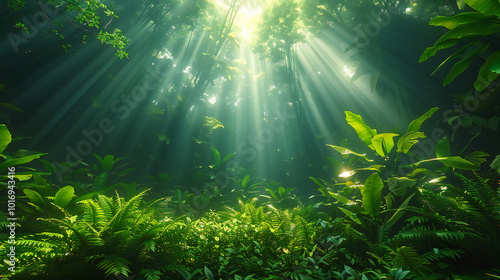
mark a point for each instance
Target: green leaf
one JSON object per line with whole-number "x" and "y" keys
{"x": 35, "y": 197}
{"x": 216, "y": 156}
{"x": 495, "y": 164}
{"x": 11, "y": 106}
{"x": 383, "y": 143}
{"x": 463, "y": 64}
{"x": 245, "y": 181}
{"x": 108, "y": 162}
{"x": 461, "y": 6}
{"x": 208, "y": 273}
{"x": 477, "y": 158}
{"x": 488, "y": 7}
{"x": 455, "y": 55}
{"x": 443, "y": 148}
{"x": 415, "y": 124}
{"x": 5, "y": 137}
{"x": 485, "y": 76}
{"x": 351, "y": 215}
{"x": 372, "y": 194}
{"x": 431, "y": 51}
{"x": 400, "y": 185}
{"x": 399, "y": 213}
{"x": 454, "y": 161}
{"x": 364, "y": 132}
{"x": 458, "y": 35}
{"x": 228, "y": 157}
{"x": 346, "y": 151}
{"x": 462, "y": 18}
{"x": 64, "y": 196}
{"x": 480, "y": 28}
{"x": 494, "y": 64}
{"x": 19, "y": 161}
{"x": 341, "y": 199}
{"x": 407, "y": 141}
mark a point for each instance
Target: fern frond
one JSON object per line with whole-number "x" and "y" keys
{"x": 438, "y": 254}
{"x": 112, "y": 265}
{"x": 408, "y": 257}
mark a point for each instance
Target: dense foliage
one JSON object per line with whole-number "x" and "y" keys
{"x": 394, "y": 219}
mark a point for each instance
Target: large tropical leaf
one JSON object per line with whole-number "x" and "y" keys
{"x": 5, "y": 137}
{"x": 383, "y": 143}
{"x": 454, "y": 161}
{"x": 346, "y": 151}
{"x": 364, "y": 132}
{"x": 407, "y": 141}
{"x": 462, "y": 18}
{"x": 415, "y": 124}
{"x": 443, "y": 148}
{"x": 458, "y": 35}
{"x": 488, "y": 7}
{"x": 20, "y": 160}
{"x": 64, "y": 196}
{"x": 463, "y": 64}
{"x": 35, "y": 197}
{"x": 488, "y": 72}
{"x": 372, "y": 194}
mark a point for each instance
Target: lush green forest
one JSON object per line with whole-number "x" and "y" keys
{"x": 250, "y": 139}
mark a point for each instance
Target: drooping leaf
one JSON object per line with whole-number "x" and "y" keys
{"x": 35, "y": 197}
{"x": 5, "y": 137}
{"x": 477, "y": 157}
{"x": 19, "y": 161}
{"x": 372, "y": 194}
{"x": 463, "y": 64}
{"x": 226, "y": 158}
{"x": 364, "y": 132}
{"x": 462, "y": 18}
{"x": 341, "y": 199}
{"x": 346, "y": 151}
{"x": 488, "y": 7}
{"x": 216, "y": 156}
{"x": 443, "y": 148}
{"x": 383, "y": 143}
{"x": 11, "y": 106}
{"x": 351, "y": 215}
{"x": 485, "y": 76}
{"x": 407, "y": 141}
{"x": 458, "y": 35}
{"x": 454, "y": 161}
{"x": 456, "y": 55}
{"x": 415, "y": 124}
